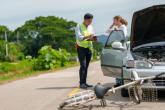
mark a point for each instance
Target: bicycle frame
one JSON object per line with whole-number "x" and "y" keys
{"x": 100, "y": 91}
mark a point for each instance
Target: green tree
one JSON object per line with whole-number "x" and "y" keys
{"x": 2, "y": 50}
{"x": 97, "y": 49}
{"x": 14, "y": 51}
{"x": 4, "y": 29}
{"x": 54, "y": 31}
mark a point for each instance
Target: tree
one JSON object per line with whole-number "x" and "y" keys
{"x": 4, "y": 29}
{"x": 54, "y": 31}
{"x": 14, "y": 51}
{"x": 2, "y": 50}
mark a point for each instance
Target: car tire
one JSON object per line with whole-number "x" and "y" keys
{"x": 124, "y": 92}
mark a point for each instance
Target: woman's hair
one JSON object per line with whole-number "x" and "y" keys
{"x": 123, "y": 21}
{"x": 118, "y": 18}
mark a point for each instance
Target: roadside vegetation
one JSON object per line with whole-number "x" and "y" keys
{"x": 41, "y": 44}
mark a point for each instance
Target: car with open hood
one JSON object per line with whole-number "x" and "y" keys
{"x": 144, "y": 52}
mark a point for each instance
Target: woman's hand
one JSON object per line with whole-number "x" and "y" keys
{"x": 111, "y": 26}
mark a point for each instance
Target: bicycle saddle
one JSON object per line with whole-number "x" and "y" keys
{"x": 101, "y": 90}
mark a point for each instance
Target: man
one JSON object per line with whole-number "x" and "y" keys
{"x": 84, "y": 37}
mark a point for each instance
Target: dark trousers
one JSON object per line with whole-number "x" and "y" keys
{"x": 84, "y": 55}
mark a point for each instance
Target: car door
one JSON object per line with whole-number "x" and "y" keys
{"x": 112, "y": 59}
{"x": 102, "y": 39}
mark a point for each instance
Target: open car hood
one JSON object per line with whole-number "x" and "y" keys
{"x": 148, "y": 26}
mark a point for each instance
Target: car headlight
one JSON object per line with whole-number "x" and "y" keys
{"x": 138, "y": 64}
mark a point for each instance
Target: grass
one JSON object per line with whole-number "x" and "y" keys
{"x": 23, "y": 69}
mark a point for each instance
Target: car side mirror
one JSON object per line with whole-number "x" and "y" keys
{"x": 118, "y": 45}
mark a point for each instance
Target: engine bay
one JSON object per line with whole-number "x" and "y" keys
{"x": 152, "y": 53}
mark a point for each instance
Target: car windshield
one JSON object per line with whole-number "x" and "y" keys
{"x": 115, "y": 35}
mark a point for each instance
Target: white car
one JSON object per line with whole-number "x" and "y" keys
{"x": 144, "y": 53}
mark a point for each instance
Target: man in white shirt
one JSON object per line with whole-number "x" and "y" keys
{"x": 84, "y": 37}
{"x": 79, "y": 34}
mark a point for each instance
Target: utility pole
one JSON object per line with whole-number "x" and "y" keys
{"x": 17, "y": 36}
{"x": 7, "y": 52}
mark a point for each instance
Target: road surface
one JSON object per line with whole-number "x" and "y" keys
{"x": 47, "y": 91}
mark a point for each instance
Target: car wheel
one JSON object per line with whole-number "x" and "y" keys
{"x": 124, "y": 92}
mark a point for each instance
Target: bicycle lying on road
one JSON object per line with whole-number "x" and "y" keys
{"x": 135, "y": 90}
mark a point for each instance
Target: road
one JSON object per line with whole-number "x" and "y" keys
{"x": 47, "y": 91}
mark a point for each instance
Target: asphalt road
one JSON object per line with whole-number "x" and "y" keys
{"x": 47, "y": 91}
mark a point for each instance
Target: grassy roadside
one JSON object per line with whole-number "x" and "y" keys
{"x": 14, "y": 71}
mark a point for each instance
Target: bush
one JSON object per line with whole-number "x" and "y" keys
{"x": 14, "y": 51}
{"x": 50, "y": 58}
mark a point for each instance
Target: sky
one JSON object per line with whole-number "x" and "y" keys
{"x": 14, "y": 13}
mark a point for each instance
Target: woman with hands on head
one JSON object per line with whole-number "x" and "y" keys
{"x": 119, "y": 23}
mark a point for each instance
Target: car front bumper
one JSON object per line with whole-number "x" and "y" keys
{"x": 159, "y": 83}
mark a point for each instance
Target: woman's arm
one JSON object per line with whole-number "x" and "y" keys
{"x": 111, "y": 28}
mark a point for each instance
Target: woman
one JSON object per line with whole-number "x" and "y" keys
{"x": 123, "y": 27}
{"x": 118, "y": 24}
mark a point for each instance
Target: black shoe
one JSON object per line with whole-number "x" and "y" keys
{"x": 89, "y": 85}
{"x": 83, "y": 86}
{"x": 116, "y": 85}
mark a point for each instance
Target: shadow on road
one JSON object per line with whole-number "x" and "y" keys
{"x": 47, "y": 88}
